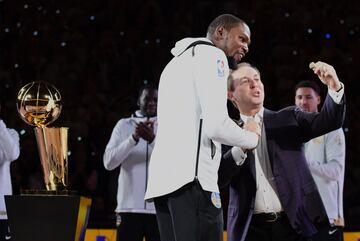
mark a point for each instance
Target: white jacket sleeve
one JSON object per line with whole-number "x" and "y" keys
{"x": 119, "y": 146}
{"x": 9, "y": 144}
{"x": 334, "y": 154}
{"x": 210, "y": 76}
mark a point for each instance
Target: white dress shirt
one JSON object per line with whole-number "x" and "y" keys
{"x": 266, "y": 198}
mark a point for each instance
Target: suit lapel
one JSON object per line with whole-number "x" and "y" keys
{"x": 251, "y": 163}
{"x": 268, "y": 124}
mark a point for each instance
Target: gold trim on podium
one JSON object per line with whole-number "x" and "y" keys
{"x": 84, "y": 205}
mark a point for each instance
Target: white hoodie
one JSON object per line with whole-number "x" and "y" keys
{"x": 326, "y": 159}
{"x": 133, "y": 158}
{"x": 9, "y": 151}
{"x": 192, "y": 88}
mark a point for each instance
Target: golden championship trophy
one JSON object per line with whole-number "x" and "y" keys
{"x": 56, "y": 214}
{"x": 39, "y": 104}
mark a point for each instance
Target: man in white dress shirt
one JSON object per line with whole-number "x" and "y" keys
{"x": 272, "y": 195}
{"x": 325, "y": 156}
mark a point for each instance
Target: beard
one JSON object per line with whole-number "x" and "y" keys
{"x": 232, "y": 62}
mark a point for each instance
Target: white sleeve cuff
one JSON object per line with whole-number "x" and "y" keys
{"x": 337, "y": 95}
{"x": 239, "y": 155}
{"x": 132, "y": 140}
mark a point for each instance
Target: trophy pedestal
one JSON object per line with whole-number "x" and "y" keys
{"x": 47, "y": 217}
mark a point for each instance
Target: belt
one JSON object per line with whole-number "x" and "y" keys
{"x": 267, "y": 217}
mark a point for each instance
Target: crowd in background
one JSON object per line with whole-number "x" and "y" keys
{"x": 98, "y": 53}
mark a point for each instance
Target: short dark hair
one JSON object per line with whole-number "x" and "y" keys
{"x": 308, "y": 84}
{"x": 228, "y": 21}
{"x": 149, "y": 86}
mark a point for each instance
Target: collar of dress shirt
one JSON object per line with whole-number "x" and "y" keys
{"x": 258, "y": 116}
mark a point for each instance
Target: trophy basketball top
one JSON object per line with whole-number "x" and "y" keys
{"x": 39, "y": 103}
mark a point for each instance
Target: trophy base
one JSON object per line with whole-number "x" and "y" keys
{"x": 48, "y": 192}
{"x": 47, "y": 217}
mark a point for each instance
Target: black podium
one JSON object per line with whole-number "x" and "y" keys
{"x": 47, "y": 217}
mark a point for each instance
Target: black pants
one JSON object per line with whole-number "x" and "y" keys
{"x": 279, "y": 230}
{"x": 4, "y": 230}
{"x": 135, "y": 226}
{"x": 189, "y": 214}
{"x": 329, "y": 233}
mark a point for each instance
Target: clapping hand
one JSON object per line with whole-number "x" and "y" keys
{"x": 144, "y": 130}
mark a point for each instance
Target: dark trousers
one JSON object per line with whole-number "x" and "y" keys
{"x": 189, "y": 214}
{"x": 4, "y": 230}
{"x": 278, "y": 230}
{"x": 135, "y": 226}
{"x": 329, "y": 233}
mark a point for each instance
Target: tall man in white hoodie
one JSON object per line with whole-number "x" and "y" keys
{"x": 192, "y": 123}
{"x": 9, "y": 151}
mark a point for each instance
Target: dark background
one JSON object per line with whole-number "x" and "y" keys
{"x": 98, "y": 53}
